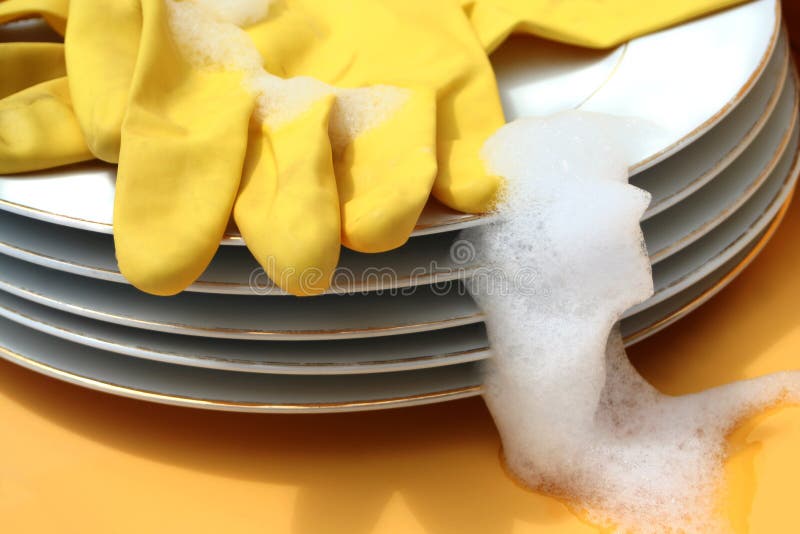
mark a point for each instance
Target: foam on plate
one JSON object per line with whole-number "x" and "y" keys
{"x": 575, "y": 418}
{"x": 209, "y": 33}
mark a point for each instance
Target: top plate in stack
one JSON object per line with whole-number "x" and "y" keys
{"x": 720, "y": 177}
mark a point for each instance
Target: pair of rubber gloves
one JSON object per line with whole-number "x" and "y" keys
{"x": 190, "y": 154}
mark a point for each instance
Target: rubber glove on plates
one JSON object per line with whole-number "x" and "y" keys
{"x": 183, "y": 144}
{"x": 581, "y": 22}
{"x": 384, "y": 177}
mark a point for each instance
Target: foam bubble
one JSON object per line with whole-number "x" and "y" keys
{"x": 209, "y": 34}
{"x": 575, "y": 418}
{"x": 240, "y": 13}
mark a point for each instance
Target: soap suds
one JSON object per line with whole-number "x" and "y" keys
{"x": 240, "y": 13}
{"x": 576, "y": 419}
{"x": 209, "y": 33}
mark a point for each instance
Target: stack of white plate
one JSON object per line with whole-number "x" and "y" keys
{"x": 407, "y": 333}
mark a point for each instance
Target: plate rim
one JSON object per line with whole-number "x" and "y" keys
{"x": 319, "y": 368}
{"x": 727, "y": 108}
{"x": 775, "y": 208}
{"x": 737, "y": 150}
{"x": 720, "y": 284}
{"x": 752, "y": 187}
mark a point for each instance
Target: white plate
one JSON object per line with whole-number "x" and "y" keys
{"x": 373, "y": 314}
{"x": 250, "y": 392}
{"x": 685, "y": 79}
{"x": 230, "y": 391}
{"x": 684, "y": 223}
{"x": 356, "y": 356}
{"x": 679, "y": 176}
{"x": 426, "y": 259}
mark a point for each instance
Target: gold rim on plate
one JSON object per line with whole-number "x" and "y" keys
{"x": 728, "y": 158}
{"x": 752, "y": 187}
{"x": 720, "y": 284}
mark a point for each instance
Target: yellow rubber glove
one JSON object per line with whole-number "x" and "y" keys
{"x": 54, "y": 12}
{"x": 183, "y": 144}
{"x": 384, "y": 178}
{"x": 38, "y": 129}
{"x": 26, "y": 64}
{"x": 102, "y": 42}
{"x": 586, "y": 23}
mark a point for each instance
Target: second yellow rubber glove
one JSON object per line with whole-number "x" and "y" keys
{"x": 586, "y": 23}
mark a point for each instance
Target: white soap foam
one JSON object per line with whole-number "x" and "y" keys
{"x": 209, "y": 33}
{"x": 575, "y": 418}
{"x": 240, "y": 13}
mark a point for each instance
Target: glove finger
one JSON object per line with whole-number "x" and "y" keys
{"x": 27, "y": 64}
{"x": 470, "y": 112}
{"x": 54, "y": 12}
{"x": 183, "y": 144}
{"x": 384, "y": 142}
{"x": 102, "y": 42}
{"x": 38, "y": 129}
{"x": 287, "y": 209}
